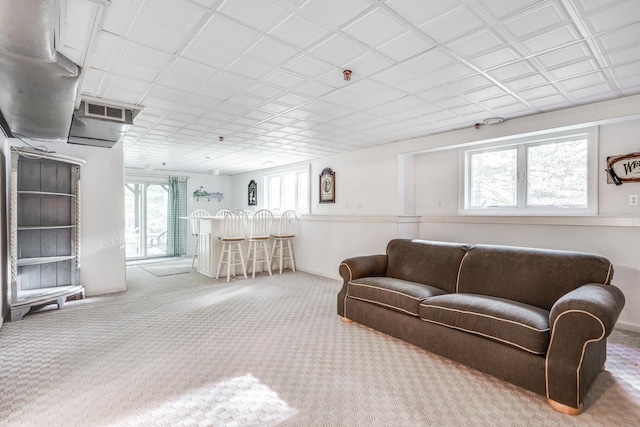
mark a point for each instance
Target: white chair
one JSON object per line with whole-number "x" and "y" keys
{"x": 222, "y": 212}
{"x": 258, "y": 236}
{"x": 233, "y": 234}
{"x": 195, "y": 230}
{"x": 286, "y": 233}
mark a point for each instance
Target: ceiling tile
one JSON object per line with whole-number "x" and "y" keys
{"x": 298, "y": 31}
{"x": 141, "y": 62}
{"x": 583, "y": 81}
{"x": 336, "y": 12}
{"x": 535, "y": 20}
{"x": 614, "y": 17}
{"x": 496, "y": 58}
{"x": 307, "y": 66}
{"x": 369, "y": 64}
{"x": 293, "y": 100}
{"x": 575, "y": 69}
{"x": 471, "y": 83}
{"x": 375, "y": 28}
{"x": 453, "y": 24}
{"x": 165, "y": 24}
{"x": 622, "y": 56}
{"x": 313, "y": 89}
{"x": 107, "y": 50}
{"x": 284, "y": 79}
{"x": 503, "y": 8}
{"x": 538, "y": 92}
{"x": 228, "y": 35}
{"x": 626, "y": 36}
{"x": 526, "y": 82}
{"x": 260, "y": 14}
{"x": 626, "y": 71}
{"x": 513, "y": 71}
{"x": 208, "y": 54}
{"x": 552, "y": 39}
{"x": 406, "y": 46}
{"x": 419, "y": 11}
{"x": 249, "y": 67}
{"x": 593, "y": 93}
{"x": 564, "y": 55}
{"x": 438, "y": 94}
{"x": 428, "y": 62}
{"x": 394, "y": 76}
{"x": 480, "y": 41}
{"x": 271, "y": 51}
{"x": 339, "y": 50}
{"x": 270, "y": 71}
{"x": 486, "y": 93}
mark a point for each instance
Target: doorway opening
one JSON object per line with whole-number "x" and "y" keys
{"x": 146, "y": 208}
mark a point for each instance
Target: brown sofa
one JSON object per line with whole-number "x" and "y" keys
{"x": 533, "y": 317}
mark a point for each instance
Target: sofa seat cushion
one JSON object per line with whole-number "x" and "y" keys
{"x": 516, "y": 324}
{"x": 392, "y": 293}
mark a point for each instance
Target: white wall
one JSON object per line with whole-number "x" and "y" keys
{"x": 4, "y": 251}
{"x": 366, "y": 213}
{"x": 102, "y": 216}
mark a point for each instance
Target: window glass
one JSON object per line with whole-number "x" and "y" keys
{"x": 288, "y": 189}
{"x": 494, "y": 178}
{"x": 557, "y": 174}
{"x": 551, "y": 175}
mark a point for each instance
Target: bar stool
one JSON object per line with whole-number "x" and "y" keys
{"x": 258, "y": 237}
{"x": 233, "y": 234}
{"x": 286, "y": 233}
{"x": 195, "y": 231}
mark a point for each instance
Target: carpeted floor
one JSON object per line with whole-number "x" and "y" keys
{"x": 168, "y": 268}
{"x": 186, "y": 350}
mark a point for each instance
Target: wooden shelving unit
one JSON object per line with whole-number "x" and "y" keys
{"x": 44, "y": 230}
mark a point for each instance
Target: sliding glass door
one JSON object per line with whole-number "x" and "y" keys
{"x": 146, "y": 207}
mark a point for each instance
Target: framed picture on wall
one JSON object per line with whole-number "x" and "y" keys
{"x": 327, "y": 186}
{"x": 252, "y": 193}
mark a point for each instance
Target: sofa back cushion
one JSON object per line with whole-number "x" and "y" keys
{"x": 538, "y": 277}
{"x": 422, "y": 261}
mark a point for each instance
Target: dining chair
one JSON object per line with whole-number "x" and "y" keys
{"x": 195, "y": 231}
{"x": 286, "y": 233}
{"x": 222, "y": 212}
{"x": 259, "y": 234}
{"x": 233, "y": 234}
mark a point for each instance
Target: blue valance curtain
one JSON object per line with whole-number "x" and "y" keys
{"x": 176, "y": 227}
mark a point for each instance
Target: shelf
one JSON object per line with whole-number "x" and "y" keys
{"x": 43, "y": 194}
{"x": 43, "y": 260}
{"x": 44, "y": 227}
{"x": 37, "y": 297}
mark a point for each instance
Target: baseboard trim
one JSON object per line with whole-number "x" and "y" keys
{"x": 627, "y": 327}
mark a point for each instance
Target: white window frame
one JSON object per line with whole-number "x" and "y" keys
{"x": 591, "y": 134}
{"x": 300, "y": 202}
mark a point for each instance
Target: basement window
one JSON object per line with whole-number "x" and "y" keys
{"x": 287, "y": 189}
{"x": 551, "y": 174}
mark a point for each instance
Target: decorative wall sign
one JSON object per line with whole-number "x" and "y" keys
{"x": 327, "y": 186}
{"x": 253, "y": 193}
{"x": 202, "y": 194}
{"x": 625, "y": 168}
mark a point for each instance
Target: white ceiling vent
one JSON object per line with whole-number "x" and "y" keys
{"x": 105, "y": 112}
{"x": 100, "y": 125}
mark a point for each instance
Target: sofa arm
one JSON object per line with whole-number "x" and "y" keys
{"x": 354, "y": 268}
{"x": 585, "y": 315}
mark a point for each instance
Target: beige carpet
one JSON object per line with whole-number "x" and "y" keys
{"x": 185, "y": 350}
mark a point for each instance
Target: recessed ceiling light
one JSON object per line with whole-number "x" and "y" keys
{"x": 493, "y": 121}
